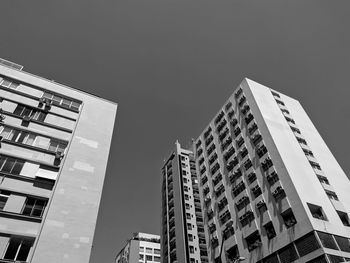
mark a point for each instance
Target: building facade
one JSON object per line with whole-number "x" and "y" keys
{"x": 53, "y": 160}
{"x": 182, "y": 233}
{"x": 141, "y": 248}
{"x": 270, "y": 188}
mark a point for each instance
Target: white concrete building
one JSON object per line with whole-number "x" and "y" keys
{"x": 53, "y": 159}
{"x": 141, "y": 248}
{"x": 271, "y": 190}
{"x": 182, "y": 232}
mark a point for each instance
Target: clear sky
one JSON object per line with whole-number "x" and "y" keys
{"x": 170, "y": 65}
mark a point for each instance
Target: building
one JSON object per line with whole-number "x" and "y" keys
{"x": 270, "y": 188}
{"x": 141, "y": 247}
{"x": 182, "y": 232}
{"x": 53, "y": 160}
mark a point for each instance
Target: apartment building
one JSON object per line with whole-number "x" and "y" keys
{"x": 182, "y": 233}
{"x": 141, "y": 248}
{"x": 53, "y": 160}
{"x": 271, "y": 190}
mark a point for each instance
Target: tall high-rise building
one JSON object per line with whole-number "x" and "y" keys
{"x": 182, "y": 233}
{"x": 141, "y": 248}
{"x": 53, "y": 158}
{"x": 270, "y": 188}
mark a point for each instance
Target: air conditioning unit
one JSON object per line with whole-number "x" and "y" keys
{"x": 59, "y": 155}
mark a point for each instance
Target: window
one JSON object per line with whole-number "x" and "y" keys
{"x": 295, "y": 130}
{"x": 148, "y": 250}
{"x": 141, "y": 256}
{"x": 280, "y": 102}
{"x": 315, "y": 165}
{"x": 57, "y": 146}
{"x": 11, "y": 165}
{"x": 270, "y": 230}
{"x": 191, "y": 249}
{"x": 344, "y": 218}
{"x": 188, "y": 215}
{"x": 18, "y": 249}
{"x": 142, "y": 249}
{"x": 187, "y": 206}
{"x": 9, "y": 84}
{"x": 190, "y": 237}
{"x": 148, "y": 258}
{"x": 332, "y": 195}
{"x": 4, "y": 195}
{"x": 317, "y": 211}
{"x": 275, "y": 94}
{"x": 256, "y": 190}
{"x": 253, "y": 241}
{"x": 189, "y": 226}
{"x": 26, "y": 111}
{"x": 34, "y": 207}
{"x": 301, "y": 141}
{"x": 64, "y": 102}
{"x": 156, "y": 259}
{"x": 186, "y": 197}
{"x": 288, "y": 218}
{"x": 246, "y": 218}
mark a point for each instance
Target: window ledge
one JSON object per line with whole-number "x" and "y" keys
{"x": 20, "y": 217}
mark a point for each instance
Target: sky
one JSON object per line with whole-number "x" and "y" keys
{"x": 170, "y": 66}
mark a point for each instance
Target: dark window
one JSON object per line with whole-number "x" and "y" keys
{"x": 11, "y": 165}
{"x": 344, "y": 218}
{"x": 335, "y": 259}
{"x": 288, "y": 254}
{"x": 320, "y": 259}
{"x": 4, "y": 195}
{"x": 253, "y": 241}
{"x": 271, "y": 259}
{"x": 327, "y": 240}
{"x": 307, "y": 244}
{"x": 288, "y": 218}
{"x": 270, "y": 230}
{"x": 343, "y": 243}
{"x": 34, "y": 207}
{"x": 18, "y": 249}
{"x": 64, "y": 102}
{"x": 332, "y": 195}
{"x": 22, "y": 111}
{"x": 317, "y": 212}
